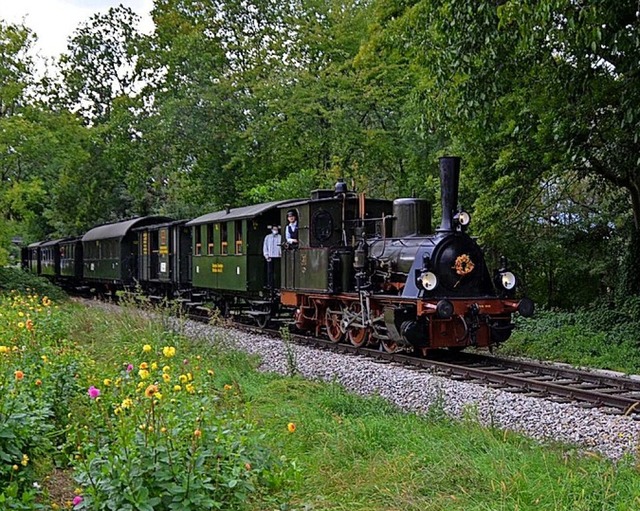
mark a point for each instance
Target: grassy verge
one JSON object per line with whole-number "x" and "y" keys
{"x": 363, "y": 454}
{"x": 289, "y": 444}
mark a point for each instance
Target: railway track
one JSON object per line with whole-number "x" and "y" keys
{"x": 614, "y": 394}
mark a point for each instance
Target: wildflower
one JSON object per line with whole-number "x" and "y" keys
{"x": 45, "y": 301}
{"x": 36, "y": 485}
{"x": 143, "y": 373}
{"x": 228, "y": 387}
{"x": 210, "y": 372}
{"x": 151, "y": 390}
{"x": 247, "y": 466}
{"x": 291, "y": 427}
{"x": 20, "y": 324}
{"x": 93, "y": 392}
{"x": 127, "y": 403}
{"x": 130, "y": 368}
{"x": 106, "y": 382}
{"x": 158, "y": 396}
{"x": 21, "y": 314}
{"x": 117, "y": 410}
{"x": 183, "y": 378}
{"x": 190, "y": 389}
{"x": 19, "y": 375}
{"x": 166, "y": 378}
{"x": 29, "y": 325}
{"x": 166, "y": 369}
{"x": 38, "y": 382}
{"x": 169, "y": 351}
{"x": 163, "y": 429}
{"x": 25, "y": 460}
{"x": 44, "y": 358}
{"x": 77, "y": 500}
{"x": 177, "y": 388}
{"x": 146, "y": 348}
{"x": 189, "y": 377}
{"x": 144, "y": 365}
{"x": 15, "y": 467}
{"x": 197, "y": 433}
{"x": 4, "y": 349}
{"x": 154, "y": 366}
{"x": 55, "y": 506}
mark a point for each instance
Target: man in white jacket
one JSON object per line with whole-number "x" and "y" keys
{"x": 272, "y": 250}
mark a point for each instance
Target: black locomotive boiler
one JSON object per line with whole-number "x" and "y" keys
{"x": 374, "y": 272}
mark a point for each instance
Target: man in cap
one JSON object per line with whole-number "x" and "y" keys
{"x": 292, "y": 228}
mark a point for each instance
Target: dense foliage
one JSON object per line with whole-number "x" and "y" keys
{"x": 231, "y": 102}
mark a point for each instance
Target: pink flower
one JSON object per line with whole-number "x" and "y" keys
{"x": 93, "y": 393}
{"x": 77, "y": 499}
{"x": 130, "y": 368}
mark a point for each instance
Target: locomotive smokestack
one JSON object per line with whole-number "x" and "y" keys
{"x": 449, "y": 179}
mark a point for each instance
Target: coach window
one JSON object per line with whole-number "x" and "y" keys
{"x": 238, "y": 225}
{"x": 198, "y": 240}
{"x": 210, "y": 246}
{"x": 224, "y": 239}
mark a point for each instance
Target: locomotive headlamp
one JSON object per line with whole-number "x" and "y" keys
{"x": 428, "y": 280}
{"x": 462, "y": 218}
{"x": 508, "y": 280}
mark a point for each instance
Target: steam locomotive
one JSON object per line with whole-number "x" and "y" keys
{"x": 364, "y": 271}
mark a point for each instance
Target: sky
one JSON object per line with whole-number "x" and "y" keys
{"x": 54, "y": 21}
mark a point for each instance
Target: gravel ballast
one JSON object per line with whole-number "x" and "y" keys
{"x": 613, "y": 436}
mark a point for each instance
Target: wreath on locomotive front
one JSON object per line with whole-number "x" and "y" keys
{"x": 460, "y": 267}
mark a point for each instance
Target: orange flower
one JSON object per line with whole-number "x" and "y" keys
{"x": 197, "y": 433}
{"x": 291, "y": 427}
{"x": 19, "y": 375}
{"x": 29, "y": 325}
{"x": 151, "y": 390}
{"x": 38, "y": 382}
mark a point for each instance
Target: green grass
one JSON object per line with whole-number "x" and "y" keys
{"x": 605, "y": 336}
{"x": 358, "y": 453}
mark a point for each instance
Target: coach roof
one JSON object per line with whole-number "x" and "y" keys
{"x": 120, "y": 229}
{"x": 238, "y": 213}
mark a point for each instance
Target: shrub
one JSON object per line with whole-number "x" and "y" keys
{"x": 159, "y": 436}
{"x": 13, "y": 279}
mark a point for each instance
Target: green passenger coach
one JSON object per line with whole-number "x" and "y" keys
{"x": 227, "y": 253}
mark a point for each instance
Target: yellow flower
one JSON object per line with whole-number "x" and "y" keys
{"x": 15, "y": 467}
{"x": 210, "y": 372}
{"x": 21, "y": 314}
{"x": 158, "y": 396}
{"x": 146, "y": 348}
{"x": 291, "y": 427}
{"x": 4, "y": 349}
{"x": 25, "y": 460}
{"x": 154, "y": 366}
{"x": 189, "y": 376}
{"x": 228, "y": 387}
{"x": 117, "y": 410}
{"x": 127, "y": 403}
{"x": 106, "y": 382}
{"x": 19, "y": 375}
{"x": 143, "y": 373}
{"x": 166, "y": 378}
{"x": 166, "y": 369}
{"x": 144, "y": 365}
{"x": 169, "y": 351}
{"x": 177, "y": 388}
{"x": 183, "y": 378}
{"x": 20, "y": 324}
{"x": 44, "y": 358}
{"x": 151, "y": 390}
{"x": 190, "y": 388}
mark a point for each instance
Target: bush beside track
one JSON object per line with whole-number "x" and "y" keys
{"x": 605, "y": 335}
{"x": 15, "y": 279}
